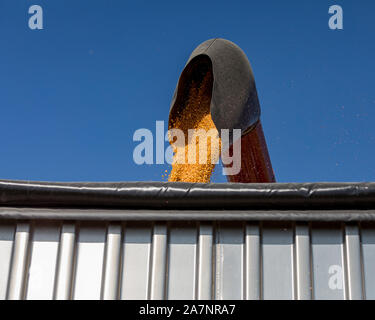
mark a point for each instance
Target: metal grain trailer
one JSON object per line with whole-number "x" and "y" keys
{"x": 186, "y": 241}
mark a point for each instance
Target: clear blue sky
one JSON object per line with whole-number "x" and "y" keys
{"x": 73, "y": 94}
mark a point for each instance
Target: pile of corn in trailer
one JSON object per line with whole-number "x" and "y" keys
{"x": 186, "y": 241}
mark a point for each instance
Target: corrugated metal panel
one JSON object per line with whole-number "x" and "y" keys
{"x": 191, "y": 260}
{"x": 182, "y": 261}
{"x": 136, "y": 257}
{"x": 278, "y": 280}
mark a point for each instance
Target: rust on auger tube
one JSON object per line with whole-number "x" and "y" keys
{"x": 216, "y": 93}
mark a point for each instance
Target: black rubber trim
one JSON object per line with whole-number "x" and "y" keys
{"x": 188, "y": 196}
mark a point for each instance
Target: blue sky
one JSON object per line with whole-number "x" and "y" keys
{"x": 73, "y": 94}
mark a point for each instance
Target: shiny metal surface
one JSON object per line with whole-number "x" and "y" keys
{"x": 302, "y": 253}
{"x": 229, "y": 261}
{"x": 205, "y": 258}
{"x": 278, "y": 262}
{"x": 328, "y": 260}
{"x": 6, "y": 245}
{"x": 89, "y": 261}
{"x": 44, "y": 247}
{"x": 182, "y": 261}
{"x": 159, "y": 262}
{"x": 18, "y": 273}
{"x": 65, "y": 262}
{"x": 253, "y": 262}
{"x": 136, "y": 265}
{"x": 186, "y": 260}
{"x": 368, "y": 260}
{"x": 111, "y": 272}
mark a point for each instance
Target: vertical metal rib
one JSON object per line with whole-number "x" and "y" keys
{"x": 6, "y": 244}
{"x": 158, "y": 266}
{"x": 112, "y": 263}
{"x": 20, "y": 255}
{"x": 303, "y": 263}
{"x": 182, "y": 255}
{"x": 65, "y": 263}
{"x": 252, "y": 262}
{"x": 205, "y": 279}
{"x": 353, "y": 262}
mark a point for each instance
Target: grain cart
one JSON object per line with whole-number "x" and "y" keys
{"x": 186, "y": 241}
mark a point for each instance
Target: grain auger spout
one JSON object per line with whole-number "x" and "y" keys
{"x": 217, "y": 89}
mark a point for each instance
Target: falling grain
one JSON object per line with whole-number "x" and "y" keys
{"x": 195, "y": 114}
